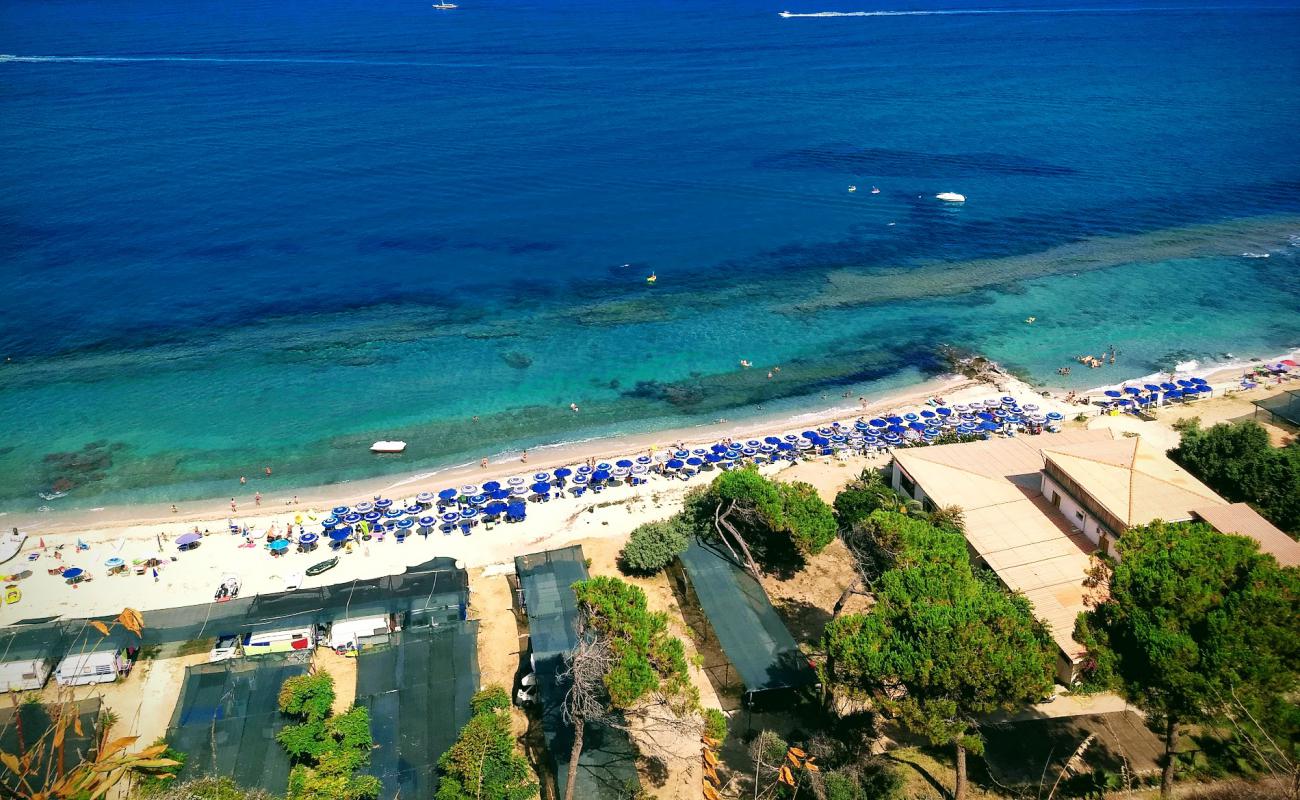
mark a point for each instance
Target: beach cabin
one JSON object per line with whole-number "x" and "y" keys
{"x": 345, "y": 634}
{"x": 103, "y": 666}
{"x": 279, "y": 641}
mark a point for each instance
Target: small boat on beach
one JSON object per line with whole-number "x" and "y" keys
{"x": 324, "y": 566}
{"x": 10, "y": 546}
{"x": 53, "y": 495}
{"x": 950, "y": 197}
{"x": 387, "y": 447}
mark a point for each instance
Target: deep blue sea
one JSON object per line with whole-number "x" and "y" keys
{"x": 270, "y": 232}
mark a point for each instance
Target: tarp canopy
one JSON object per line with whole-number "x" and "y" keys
{"x": 226, "y": 720}
{"x": 1285, "y": 405}
{"x": 417, "y": 685}
{"x": 607, "y": 765}
{"x": 755, "y": 640}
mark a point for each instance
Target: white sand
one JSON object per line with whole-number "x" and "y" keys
{"x": 194, "y": 576}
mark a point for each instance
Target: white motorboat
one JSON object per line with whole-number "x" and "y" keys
{"x": 387, "y": 447}
{"x": 951, "y": 197}
{"x": 786, "y": 14}
{"x": 444, "y": 6}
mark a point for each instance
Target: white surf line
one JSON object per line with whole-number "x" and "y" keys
{"x": 978, "y": 11}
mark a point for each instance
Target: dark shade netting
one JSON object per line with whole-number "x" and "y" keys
{"x": 417, "y": 685}
{"x": 751, "y": 633}
{"x": 227, "y": 718}
{"x": 607, "y": 765}
{"x": 25, "y": 725}
{"x": 1284, "y": 406}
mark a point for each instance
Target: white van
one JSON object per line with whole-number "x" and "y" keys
{"x": 345, "y": 633}
{"x": 102, "y": 667}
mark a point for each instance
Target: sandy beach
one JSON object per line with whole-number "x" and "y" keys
{"x": 192, "y": 577}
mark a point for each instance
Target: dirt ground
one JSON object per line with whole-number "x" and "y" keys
{"x": 344, "y": 670}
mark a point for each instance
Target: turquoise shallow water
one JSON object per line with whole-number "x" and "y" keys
{"x": 273, "y": 233}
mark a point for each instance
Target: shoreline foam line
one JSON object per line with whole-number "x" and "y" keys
{"x": 953, "y": 12}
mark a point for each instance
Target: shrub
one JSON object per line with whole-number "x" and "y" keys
{"x": 653, "y": 546}
{"x": 715, "y": 724}
{"x": 483, "y": 762}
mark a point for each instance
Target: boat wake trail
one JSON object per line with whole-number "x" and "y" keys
{"x": 979, "y": 11}
{"x": 218, "y": 60}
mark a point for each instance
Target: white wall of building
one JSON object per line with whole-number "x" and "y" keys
{"x": 1078, "y": 517}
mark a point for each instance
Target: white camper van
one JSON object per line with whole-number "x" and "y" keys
{"x": 24, "y": 676}
{"x": 345, "y": 633}
{"x": 104, "y": 666}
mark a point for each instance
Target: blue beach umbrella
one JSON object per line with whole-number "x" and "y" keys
{"x": 600, "y": 475}
{"x": 1132, "y": 390}
{"x": 447, "y": 494}
{"x": 500, "y": 494}
{"x": 340, "y": 511}
{"x": 910, "y": 417}
{"x": 542, "y": 477}
{"x": 916, "y": 426}
{"x": 478, "y": 499}
{"x": 495, "y": 509}
{"x": 371, "y": 517}
{"x": 541, "y": 487}
{"x": 340, "y": 534}
{"x": 307, "y": 538}
{"x": 785, "y": 447}
{"x": 450, "y": 516}
{"x": 518, "y": 510}
{"x": 564, "y": 472}
{"x": 693, "y": 461}
{"x": 988, "y": 426}
{"x": 330, "y": 522}
{"x": 383, "y": 504}
{"x": 644, "y": 460}
{"x": 624, "y": 462}
{"x": 427, "y": 522}
{"x": 674, "y": 463}
{"x": 1168, "y": 387}
{"x": 714, "y": 458}
{"x": 73, "y": 572}
{"x": 1200, "y": 381}
{"x": 1183, "y": 382}
{"x": 772, "y": 439}
{"x": 603, "y": 466}
{"x": 1112, "y": 393}
{"x": 405, "y": 524}
{"x": 1124, "y": 402}
{"x": 943, "y": 412}
{"x": 895, "y": 420}
{"x": 1151, "y": 387}
{"x": 393, "y": 513}
{"x": 413, "y": 510}
{"x": 352, "y": 519}
{"x": 896, "y": 429}
{"x": 468, "y": 513}
{"x": 927, "y": 414}
{"x": 1055, "y": 416}
{"x": 580, "y": 480}
{"x": 492, "y": 486}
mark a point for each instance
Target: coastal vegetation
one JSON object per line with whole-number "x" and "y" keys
{"x": 626, "y": 665}
{"x": 1238, "y": 462}
{"x": 483, "y": 763}
{"x": 329, "y": 751}
{"x": 1200, "y": 629}
{"x": 941, "y": 646}
{"x": 654, "y": 545}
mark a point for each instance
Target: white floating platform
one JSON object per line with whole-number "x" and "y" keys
{"x": 387, "y": 447}
{"x": 951, "y": 197}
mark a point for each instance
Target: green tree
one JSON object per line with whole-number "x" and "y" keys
{"x": 806, "y": 517}
{"x": 1238, "y": 461}
{"x": 329, "y": 751}
{"x": 867, "y": 493}
{"x": 625, "y": 658}
{"x": 940, "y": 647}
{"x": 483, "y": 763}
{"x": 653, "y": 546}
{"x": 1196, "y": 624}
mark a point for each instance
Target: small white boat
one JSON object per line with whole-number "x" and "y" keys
{"x": 11, "y": 545}
{"x": 444, "y": 6}
{"x": 387, "y": 447}
{"x": 853, "y": 188}
{"x": 950, "y": 197}
{"x": 874, "y": 190}
{"x": 786, "y": 14}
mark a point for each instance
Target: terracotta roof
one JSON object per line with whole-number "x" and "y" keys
{"x": 1243, "y": 520}
{"x": 1133, "y": 480}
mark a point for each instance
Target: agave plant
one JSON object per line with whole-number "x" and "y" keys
{"x": 39, "y": 771}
